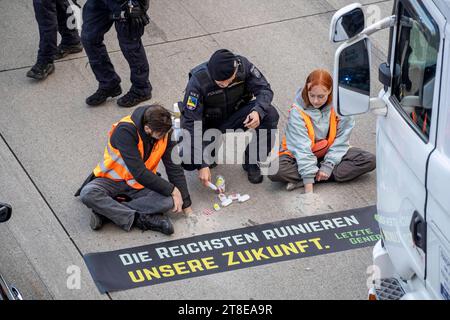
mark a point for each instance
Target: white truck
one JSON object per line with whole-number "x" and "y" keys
{"x": 412, "y": 261}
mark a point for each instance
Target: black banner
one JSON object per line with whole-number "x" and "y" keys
{"x": 232, "y": 250}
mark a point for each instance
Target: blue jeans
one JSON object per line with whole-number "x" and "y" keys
{"x": 96, "y": 22}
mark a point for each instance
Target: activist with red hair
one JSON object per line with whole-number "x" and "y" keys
{"x": 316, "y": 144}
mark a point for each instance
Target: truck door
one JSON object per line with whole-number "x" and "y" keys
{"x": 438, "y": 201}
{"x": 405, "y": 136}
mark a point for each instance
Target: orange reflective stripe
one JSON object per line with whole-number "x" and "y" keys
{"x": 113, "y": 166}
{"x": 157, "y": 152}
{"x": 309, "y": 127}
{"x": 284, "y": 150}
{"x": 334, "y": 121}
{"x": 333, "y": 127}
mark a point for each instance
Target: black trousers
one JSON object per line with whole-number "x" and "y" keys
{"x": 264, "y": 135}
{"x": 52, "y": 17}
{"x": 96, "y": 22}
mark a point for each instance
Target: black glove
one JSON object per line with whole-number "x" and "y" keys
{"x": 136, "y": 15}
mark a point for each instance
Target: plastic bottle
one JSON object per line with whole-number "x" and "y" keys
{"x": 220, "y": 183}
{"x": 176, "y": 121}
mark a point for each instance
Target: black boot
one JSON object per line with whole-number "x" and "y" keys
{"x": 41, "y": 71}
{"x": 132, "y": 99}
{"x": 253, "y": 173}
{"x": 155, "y": 222}
{"x": 64, "y": 51}
{"x": 96, "y": 222}
{"x": 101, "y": 95}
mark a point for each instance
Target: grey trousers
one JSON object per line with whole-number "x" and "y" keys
{"x": 354, "y": 164}
{"x": 99, "y": 195}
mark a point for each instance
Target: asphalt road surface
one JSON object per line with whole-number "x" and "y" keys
{"x": 50, "y": 140}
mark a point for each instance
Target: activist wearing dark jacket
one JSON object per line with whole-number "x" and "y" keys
{"x": 125, "y": 138}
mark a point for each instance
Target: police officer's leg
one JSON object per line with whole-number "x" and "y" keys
{"x": 69, "y": 36}
{"x": 98, "y": 195}
{"x": 251, "y": 157}
{"x": 236, "y": 122}
{"x": 134, "y": 52}
{"x": 264, "y": 136}
{"x": 45, "y": 13}
{"x": 96, "y": 22}
{"x": 67, "y": 27}
{"x": 266, "y": 133}
{"x": 263, "y": 139}
{"x": 354, "y": 164}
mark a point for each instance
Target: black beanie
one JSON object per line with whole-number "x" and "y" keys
{"x": 222, "y": 65}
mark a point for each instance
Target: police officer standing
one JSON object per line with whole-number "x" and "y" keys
{"x": 130, "y": 18}
{"x": 228, "y": 92}
{"x": 52, "y": 17}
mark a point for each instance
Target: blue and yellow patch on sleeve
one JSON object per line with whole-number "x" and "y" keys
{"x": 192, "y": 103}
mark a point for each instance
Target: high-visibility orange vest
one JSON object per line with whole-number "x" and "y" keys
{"x": 113, "y": 167}
{"x": 319, "y": 148}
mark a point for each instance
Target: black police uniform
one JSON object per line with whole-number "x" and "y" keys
{"x": 98, "y": 18}
{"x": 228, "y": 108}
{"x": 52, "y": 17}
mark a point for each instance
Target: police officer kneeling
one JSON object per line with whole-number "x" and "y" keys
{"x": 229, "y": 92}
{"x": 125, "y": 187}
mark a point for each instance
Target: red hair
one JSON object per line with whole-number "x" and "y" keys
{"x": 319, "y": 77}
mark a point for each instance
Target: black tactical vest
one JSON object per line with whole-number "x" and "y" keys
{"x": 219, "y": 104}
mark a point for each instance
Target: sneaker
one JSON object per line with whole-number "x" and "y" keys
{"x": 155, "y": 222}
{"x": 101, "y": 95}
{"x": 96, "y": 222}
{"x": 132, "y": 99}
{"x": 254, "y": 174}
{"x": 64, "y": 51}
{"x": 291, "y": 186}
{"x": 41, "y": 71}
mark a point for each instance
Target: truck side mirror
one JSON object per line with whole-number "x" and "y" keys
{"x": 347, "y": 23}
{"x": 352, "y": 77}
{"x": 385, "y": 75}
{"x": 5, "y": 212}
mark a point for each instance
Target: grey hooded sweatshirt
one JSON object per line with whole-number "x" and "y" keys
{"x": 299, "y": 143}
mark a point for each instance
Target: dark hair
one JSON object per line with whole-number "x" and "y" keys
{"x": 158, "y": 119}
